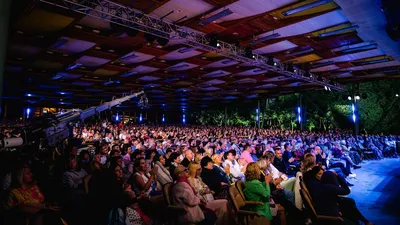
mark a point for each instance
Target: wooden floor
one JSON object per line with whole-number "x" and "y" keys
{"x": 377, "y": 191}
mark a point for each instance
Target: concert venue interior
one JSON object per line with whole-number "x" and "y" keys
{"x": 199, "y": 112}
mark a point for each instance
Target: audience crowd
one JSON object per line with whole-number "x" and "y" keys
{"x": 118, "y": 173}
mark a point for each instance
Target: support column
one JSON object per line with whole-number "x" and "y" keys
{"x": 258, "y": 114}
{"x": 5, "y": 9}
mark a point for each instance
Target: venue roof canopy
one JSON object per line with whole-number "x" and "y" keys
{"x": 59, "y": 53}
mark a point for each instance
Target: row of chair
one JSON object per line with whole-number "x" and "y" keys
{"x": 244, "y": 216}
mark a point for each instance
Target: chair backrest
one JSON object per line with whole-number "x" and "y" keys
{"x": 167, "y": 191}
{"x": 240, "y": 186}
{"x": 304, "y": 187}
{"x": 307, "y": 200}
{"x": 236, "y": 197}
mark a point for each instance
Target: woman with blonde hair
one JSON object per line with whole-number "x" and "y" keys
{"x": 255, "y": 190}
{"x": 220, "y": 206}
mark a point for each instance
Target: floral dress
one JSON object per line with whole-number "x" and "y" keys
{"x": 19, "y": 196}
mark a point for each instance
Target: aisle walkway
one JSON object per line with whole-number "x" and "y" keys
{"x": 377, "y": 191}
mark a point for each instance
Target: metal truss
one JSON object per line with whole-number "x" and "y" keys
{"x": 135, "y": 19}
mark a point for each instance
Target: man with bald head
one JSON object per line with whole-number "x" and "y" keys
{"x": 189, "y": 157}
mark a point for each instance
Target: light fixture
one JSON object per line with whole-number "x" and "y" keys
{"x": 224, "y": 13}
{"x": 266, "y": 38}
{"x": 330, "y": 33}
{"x": 357, "y": 97}
{"x": 300, "y": 52}
{"x": 184, "y": 50}
{"x": 305, "y": 7}
{"x": 349, "y": 98}
{"x": 177, "y": 67}
{"x": 375, "y": 61}
{"x": 361, "y": 48}
{"x": 28, "y": 112}
{"x": 326, "y": 88}
{"x": 74, "y": 66}
{"x": 128, "y": 57}
{"x": 140, "y": 118}
{"x": 163, "y": 118}
{"x": 397, "y": 95}
{"x": 128, "y": 74}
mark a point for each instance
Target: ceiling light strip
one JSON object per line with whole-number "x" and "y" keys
{"x": 305, "y": 7}
{"x": 222, "y": 14}
{"x": 134, "y": 19}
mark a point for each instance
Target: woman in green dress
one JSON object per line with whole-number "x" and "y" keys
{"x": 255, "y": 190}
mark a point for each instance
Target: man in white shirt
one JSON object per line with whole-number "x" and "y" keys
{"x": 235, "y": 168}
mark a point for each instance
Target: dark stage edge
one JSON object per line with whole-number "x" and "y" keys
{"x": 377, "y": 191}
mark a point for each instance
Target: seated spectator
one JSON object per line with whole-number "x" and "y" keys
{"x": 73, "y": 177}
{"x": 258, "y": 191}
{"x": 325, "y": 188}
{"x": 211, "y": 177}
{"x": 246, "y": 154}
{"x": 223, "y": 172}
{"x": 189, "y": 157}
{"x": 278, "y": 161}
{"x": 162, "y": 175}
{"x": 236, "y": 171}
{"x": 94, "y": 166}
{"x": 184, "y": 195}
{"x": 175, "y": 162}
{"x": 24, "y": 198}
{"x": 219, "y": 206}
{"x": 143, "y": 181}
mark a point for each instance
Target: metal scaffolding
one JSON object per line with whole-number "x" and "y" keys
{"x": 135, "y": 19}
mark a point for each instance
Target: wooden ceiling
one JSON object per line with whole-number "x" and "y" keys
{"x": 46, "y": 41}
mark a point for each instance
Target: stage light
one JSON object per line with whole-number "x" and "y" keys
{"x": 29, "y": 95}
{"x": 326, "y": 88}
{"x": 349, "y": 98}
{"x": 248, "y": 52}
{"x": 140, "y": 118}
{"x": 117, "y": 117}
{"x": 183, "y": 118}
{"x": 271, "y": 61}
{"x": 163, "y": 118}
{"x": 290, "y": 67}
{"x": 329, "y": 88}
{"x": 257, "y": 115}
{"x": 213, "y": 40}
{"x": 354, "y": 118}
{"x": 357, "y": 97}
{"x": 397, "y": 95}
{"x": 162, "y": 41}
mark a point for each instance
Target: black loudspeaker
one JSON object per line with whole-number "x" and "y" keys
{"x": 393, "y": 31}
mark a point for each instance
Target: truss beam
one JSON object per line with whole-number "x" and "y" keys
{"x": 135, "y": 19}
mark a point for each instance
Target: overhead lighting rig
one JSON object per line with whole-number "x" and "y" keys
{"x": 135, "y": 19}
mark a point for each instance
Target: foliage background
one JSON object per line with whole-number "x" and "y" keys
{"x": 379, "y": 110}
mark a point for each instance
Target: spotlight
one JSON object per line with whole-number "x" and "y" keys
{"x": 329, "y": 89}
{"x": 290, "y": 67}
{"x": 397, "y": 95}
{"x": 326, "y": 88}
{"x": 213, "y": 40}
{"x": 149, "y": 37}
{"x": 357, "y": 97}
{"x": 349, "y": 98}
{"x": 248, "y": 52}
{"x": 271, "y": 61}
{"x": 218, "y": 44}
{"x": 162, "y": 41}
